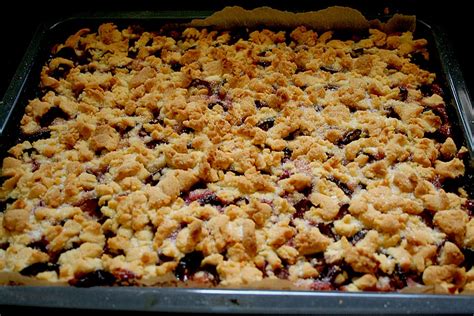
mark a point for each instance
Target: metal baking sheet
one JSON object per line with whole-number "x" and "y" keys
{"x": 24, "y": 86}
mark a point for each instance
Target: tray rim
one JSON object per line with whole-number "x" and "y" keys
{"x": 232, "y": 300}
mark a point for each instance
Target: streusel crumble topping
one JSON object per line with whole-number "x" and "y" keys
{"x": 226, "y": 158}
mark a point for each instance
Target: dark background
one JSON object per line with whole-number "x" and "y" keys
{"x": 19, "y": 20}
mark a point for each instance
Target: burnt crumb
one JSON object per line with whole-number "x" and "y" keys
{"x": 260, "y": 104}
{"x": 96, "y": 278}
{"x": 403, "y": 94}
{"x": 301, "y": 208}
{"x": 4, "y": 245}
{"x": 188, "y": 265}
{"x": 53, "y": 113}
{"x": 358, "y": 236}
{"x": 349, "y": 137}
{"x": 329, "y": 69}
{"x": 175, "y": 66}
{"x": 39, "y": 267}
{"x": 266, "y": 124}
{"x": 43, "y": 133}
{"x": 41, "y": 245}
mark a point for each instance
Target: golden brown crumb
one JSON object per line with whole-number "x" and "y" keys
{"x": 201, "y": 156}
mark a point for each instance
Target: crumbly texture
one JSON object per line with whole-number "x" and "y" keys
{"x": 225, "y": 159}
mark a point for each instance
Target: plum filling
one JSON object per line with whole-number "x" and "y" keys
{"x": 349, "y": 137}
{"x": 302, "y": 207}
{"x": 39, "y": 267}
{"x": 266, "y": 124}
{"x": 91, "y": 207}
{"x": 52, "y": 114}
{"x": 403, "y": 94}
{"x": 188, "y": 265}
{"x": 95, "y": 278}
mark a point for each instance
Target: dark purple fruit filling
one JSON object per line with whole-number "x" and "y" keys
{"x": 188, "y": 265}
{"x": 96, "y": 278}
{"x": 39, "y": 267}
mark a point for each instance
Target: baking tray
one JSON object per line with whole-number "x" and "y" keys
{"x": 24, "y": 87}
